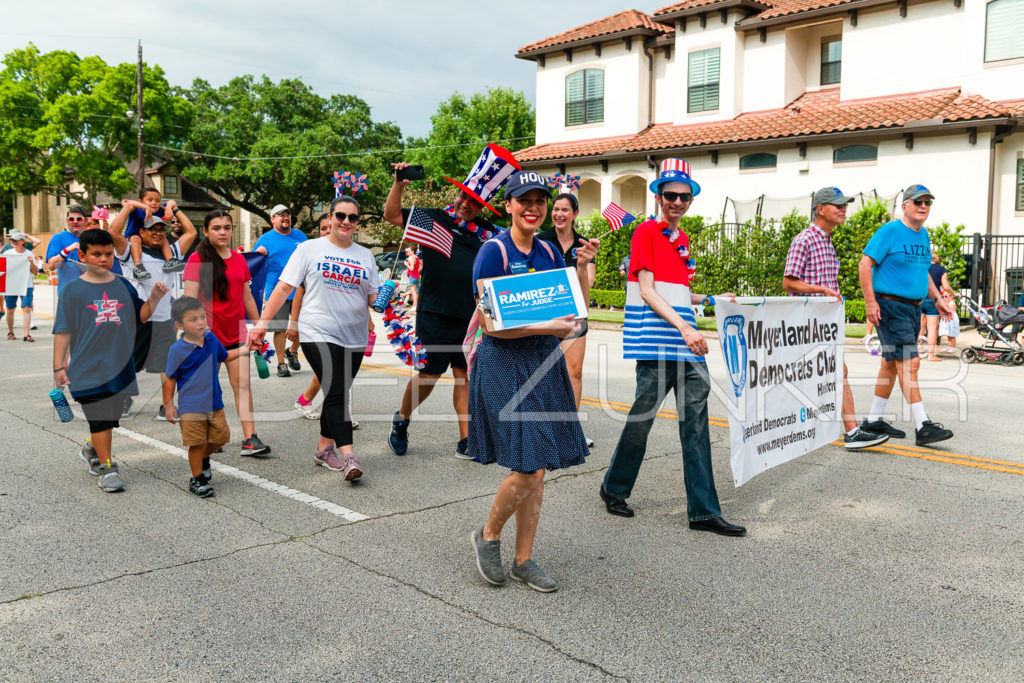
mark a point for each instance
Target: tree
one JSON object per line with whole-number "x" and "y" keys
{"x": 64, "y": 117}
{"x": 462, "y": 127}
{"x": 849, "y": 240}
{"x": 262, "y": 143}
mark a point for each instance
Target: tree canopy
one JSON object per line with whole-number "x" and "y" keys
{"x": 461, "y": 127}
{"x": 64, "y": 116}
{"x": 239, "y": 125}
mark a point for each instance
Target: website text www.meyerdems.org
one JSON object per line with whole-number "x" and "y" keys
{"x": 781, "y": 441}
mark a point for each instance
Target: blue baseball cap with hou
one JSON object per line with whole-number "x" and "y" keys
{"x": 522, "y": 182}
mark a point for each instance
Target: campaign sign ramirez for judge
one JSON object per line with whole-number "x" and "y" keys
{"x": 784, "y": 362}
{"x": 518, "y": 300}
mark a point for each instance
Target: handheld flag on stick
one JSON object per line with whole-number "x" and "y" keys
{"x": 617, "y": 216}
{"x": 423, "y": 229}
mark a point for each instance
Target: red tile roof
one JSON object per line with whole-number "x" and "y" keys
{"x": 629, "y": 20}
{"x": 811, "y": 114}
{"x": 774, "y": 8}
{"x": 686, "y": 4}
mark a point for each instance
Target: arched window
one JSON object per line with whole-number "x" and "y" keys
{"x": 1004, "y": 38}
{"x": 855, "y": 153}
{"x": 758, "y": 160}
{"x": 584, "y": 97}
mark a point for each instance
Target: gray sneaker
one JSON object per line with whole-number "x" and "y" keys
{"x": 488, "y": 558}
{"x": 862, "y": 439}
{"x": 110, "y": 480}
{"x": 533, "y": 576}
{"x": 89, "y": 457}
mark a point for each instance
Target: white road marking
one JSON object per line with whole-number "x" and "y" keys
{"x": 280, "y": 489}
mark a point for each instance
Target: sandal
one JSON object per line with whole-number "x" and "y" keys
{"x": 11, "y": 337}
{"x": 28, "y": 338}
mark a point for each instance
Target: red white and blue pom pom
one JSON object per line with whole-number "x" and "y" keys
{"x": 403, "y": 338}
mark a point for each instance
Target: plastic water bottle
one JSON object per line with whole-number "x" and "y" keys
{"x": 384, "y": 294}
{"x": 60, "y": 402}
{"x": 262, "y": 369}
{"x": 370, "y": 340}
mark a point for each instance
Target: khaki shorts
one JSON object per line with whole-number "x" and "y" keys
{"x": 201, "y": 429}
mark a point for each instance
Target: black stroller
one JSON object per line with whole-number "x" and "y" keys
{"x": 1000, "y": 325}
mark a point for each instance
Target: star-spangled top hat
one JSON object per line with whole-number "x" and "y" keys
{"x": 675, "y": 171}
{"x": 490, "y": 173}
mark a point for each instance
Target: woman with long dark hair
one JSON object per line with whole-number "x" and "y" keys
{"x": 341, "y": 283}
{"x": 564, "y": 237}
{"x": 220, "y": 279}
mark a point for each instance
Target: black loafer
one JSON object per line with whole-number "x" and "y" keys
{"x": 616, "y": 506}
{"x": 719, "y": 526}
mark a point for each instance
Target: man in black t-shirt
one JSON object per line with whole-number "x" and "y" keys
{"x": 447, "y": 290}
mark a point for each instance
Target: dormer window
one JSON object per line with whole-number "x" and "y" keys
{"x": 584, "y": 97}
{"x": 831, "y": 60}
{"x": 170, "y": 184}
{"x": 702, "y": 80}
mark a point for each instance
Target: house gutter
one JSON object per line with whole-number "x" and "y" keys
{"x": 650, "y": 83}
{"x": 997, "y": 137}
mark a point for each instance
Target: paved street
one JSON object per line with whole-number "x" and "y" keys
{"x": 896, "y": 563}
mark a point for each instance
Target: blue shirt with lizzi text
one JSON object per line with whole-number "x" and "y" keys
{"x": 902, "y": 256}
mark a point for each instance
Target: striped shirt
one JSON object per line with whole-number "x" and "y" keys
{"x": 645, "y": 334}
{"x": 812, "y": 259}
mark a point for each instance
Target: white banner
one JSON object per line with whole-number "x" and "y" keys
{"x": 784, "y": 359}
{"x": 14, "y": 274}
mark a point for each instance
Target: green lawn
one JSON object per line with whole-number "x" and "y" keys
{"x": 853, "y": 331}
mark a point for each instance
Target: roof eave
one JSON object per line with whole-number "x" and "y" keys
{"x": 890, "y": 131}
{"x": 752, "y": 23}
{"x": 670, "y": 17}
{"x": 581, "y": 42}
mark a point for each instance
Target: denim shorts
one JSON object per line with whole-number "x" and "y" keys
{"x": 897, "y": 330}
{"x": 26, "y": 299}
{"x": 928, "y": 307}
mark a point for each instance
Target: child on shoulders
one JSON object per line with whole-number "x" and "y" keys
{"x": 139, "y": 211}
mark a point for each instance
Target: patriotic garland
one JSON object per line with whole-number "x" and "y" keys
{"x": 683, "y": 249}
{"x": 403, "y": 338}
{"x": 344, "y": 180}
{"x": 469, "y": 226}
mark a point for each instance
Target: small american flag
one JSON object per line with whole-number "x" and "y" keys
{"x": 422, "y": 228}
{"x": 617, "y": 216}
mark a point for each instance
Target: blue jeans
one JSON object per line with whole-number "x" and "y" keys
{"x": 654, "y": 379}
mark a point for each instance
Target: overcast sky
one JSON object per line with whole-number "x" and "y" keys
{"x": 401, "y": 57}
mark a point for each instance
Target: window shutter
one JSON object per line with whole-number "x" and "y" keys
{"x": 702, "y": 80}
{"x": 574, "y": 87}
{"x": 1020, "y": 185}
{"x": 1004, "y": 38}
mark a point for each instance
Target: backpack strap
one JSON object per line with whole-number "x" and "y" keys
{"x": 547, "y": 247}
{"x": 504, "y": 255}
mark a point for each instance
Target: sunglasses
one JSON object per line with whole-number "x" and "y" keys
{"x": 75, "y": 219}
{"x": 926, "y": 202}
{"x": 673, "y": 196}
{"x": 352, "y": 217}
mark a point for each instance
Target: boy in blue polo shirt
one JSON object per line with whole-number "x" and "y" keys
{"x": 193, "y": 364}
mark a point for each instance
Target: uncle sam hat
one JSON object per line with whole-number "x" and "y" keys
{"x": 490, "y": 173}
{"x": 675, "y": 171}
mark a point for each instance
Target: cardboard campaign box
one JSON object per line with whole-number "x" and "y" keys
{"x": 511, "y": 301}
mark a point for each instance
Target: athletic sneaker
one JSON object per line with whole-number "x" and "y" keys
{"x": 883, "y": 426}
{"x": 110, "y": 480}
{"x": 488, "y": 558}
{"x": 462, "y": 450}
{"x": 533, "y": 576}
{"x": 282, "y": 370}
{"x": 862, "y": 439}
{"x": 307, "y": 410}
{"x": 253, "y": 446}
{"x": 352, "y": 469}
{"x": 200, "y": 486}
{"x": 206, "y": 469}
{"x": 398, "y": 440}
{"x": 328, "y": 458}
{"x": 590, "y": 442}
{"x": 930, "y": 432}
{"x": 355, "y": 425}
{"x": 173, "y": 265}
{"x": 140, "y": 273}
{"x": 126, "y": 409}
{"x": 89, "y": 457}
{"x": 293, "y": 360}
{"x": 161, "y": 414}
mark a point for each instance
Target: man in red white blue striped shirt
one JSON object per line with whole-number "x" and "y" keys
{"x": 812, "y": 269}
{"x": 660, "y": 332}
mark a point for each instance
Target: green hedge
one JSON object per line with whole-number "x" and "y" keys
{"x": 603, "y": 298}
{"x": 854, "y": 311}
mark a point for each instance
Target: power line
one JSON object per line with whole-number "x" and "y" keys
{"x": 330, "y": 156}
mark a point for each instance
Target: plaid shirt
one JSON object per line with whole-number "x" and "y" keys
{"x": 812, "y": 259}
